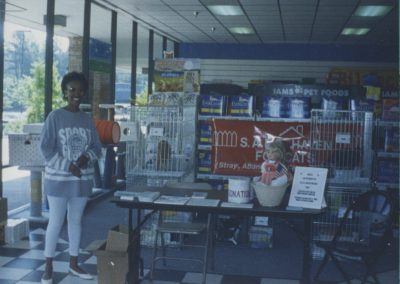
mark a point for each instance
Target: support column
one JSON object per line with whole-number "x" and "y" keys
{"x": 36, "y": 194}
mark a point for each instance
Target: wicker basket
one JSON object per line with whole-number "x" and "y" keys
{"x": 269, "y": 195}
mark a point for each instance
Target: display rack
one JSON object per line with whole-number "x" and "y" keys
{"x": 161, "y": 149}
{"x": 386, "y": 167}
{"x": 342, "y": 142}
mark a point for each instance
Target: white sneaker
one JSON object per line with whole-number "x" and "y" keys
{"x": 46, "y": 281}
{"x": 85, "y": 275}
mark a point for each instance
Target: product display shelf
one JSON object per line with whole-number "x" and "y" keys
{"x": 387, "y": 154}
{"x": 272, "y": 119}
{"x": 227, "y": 117}
{"x": 204, "y": 147}
{"x": 216, "y": 177}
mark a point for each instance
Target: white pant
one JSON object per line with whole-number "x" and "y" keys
{"x": 57, "y": 209}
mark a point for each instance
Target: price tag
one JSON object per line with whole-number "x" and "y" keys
{"x": 156, "y": 131}
{"x": 343, "y": 138}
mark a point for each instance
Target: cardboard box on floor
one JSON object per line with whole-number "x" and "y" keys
{"x": 112, "y": 256}
{"x": 117, "y": 239}
{"x": 16, "y": 229}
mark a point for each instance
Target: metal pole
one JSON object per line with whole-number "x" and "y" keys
{"x": 150, "y": 63}
{"x": 2, "y": 17}
{"x": 48, "y": 78}
{"x": 36, "y": 194}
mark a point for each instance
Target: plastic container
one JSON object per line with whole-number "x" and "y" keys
{"x": 239, "y": 190}
{"x": 269, "y": 195}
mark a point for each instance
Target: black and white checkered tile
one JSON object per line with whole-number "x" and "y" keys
{"x": 23, "y": 262}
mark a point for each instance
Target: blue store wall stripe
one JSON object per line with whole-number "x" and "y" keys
{"x": 313, "y": 52}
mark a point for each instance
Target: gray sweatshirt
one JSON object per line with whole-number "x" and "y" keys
{"x": 64, "y": 138}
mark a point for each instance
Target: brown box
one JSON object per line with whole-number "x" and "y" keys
{"x": 112, "y": 256}
{"x": 3, "y": 210}
{"x": 112, "y": 266}
{"x": 117, "y": 239}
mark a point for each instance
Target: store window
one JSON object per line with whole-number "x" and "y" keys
{"x": 100, "y": 60}
{"x": 170, "y": 45}
{"x": 23, "y": 95}
{"x": 123, "y": 67}
{"x": 157, "y": 47}
{"x": 142, "y": 68}
{"x": 67, "y": 44}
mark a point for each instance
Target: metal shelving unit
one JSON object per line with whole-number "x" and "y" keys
{"x": 342, "y": 142}
{"x": 386, "y": 154}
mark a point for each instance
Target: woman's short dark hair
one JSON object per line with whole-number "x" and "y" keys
{"x": 73, "y": 76}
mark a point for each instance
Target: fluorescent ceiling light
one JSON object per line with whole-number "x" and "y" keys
{"x": 372, "y": 11}
{"x": 355, "y": 31}
{"x": 225, "y": 10}
{"x": 241, "y": 30}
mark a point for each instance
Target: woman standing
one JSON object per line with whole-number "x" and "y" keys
{"x": 69, "y": 144}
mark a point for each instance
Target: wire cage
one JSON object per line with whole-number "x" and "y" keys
{"x": 342, "y": 142}
{"x": 323, "y": 229}
{"x": 161, "y": 150}
{"x": 162, "y": 147}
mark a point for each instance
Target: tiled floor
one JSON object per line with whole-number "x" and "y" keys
{"x": 23, "y": 262}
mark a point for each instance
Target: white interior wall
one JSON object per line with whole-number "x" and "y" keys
{"x": 242, "y": 71}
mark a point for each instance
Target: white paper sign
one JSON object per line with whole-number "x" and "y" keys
{"x": 156, "y": 131}
{"x": 308, "y": 187}
{"x": 343, "y": 138}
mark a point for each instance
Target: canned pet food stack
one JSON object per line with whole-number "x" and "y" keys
{"x": 269, "y": 195}
{"x": 239, "y": 190}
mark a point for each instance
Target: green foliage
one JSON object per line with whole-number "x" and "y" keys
{"x": 13, "y": 126}
{"x": 35, "y": 87}
{"x": 141, "y": 99}
{"x": 20, "y": 53}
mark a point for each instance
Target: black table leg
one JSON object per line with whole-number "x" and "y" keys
{"x": 132, "y": 277}
{"x": 129, "y": 275}
{"x": 138, "y": 263}
{"x": 306, "y": 251}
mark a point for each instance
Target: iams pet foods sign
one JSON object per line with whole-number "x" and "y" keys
{"x": 238, "y": 147}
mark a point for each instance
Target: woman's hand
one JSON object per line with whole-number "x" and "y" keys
{"x": 75, "y": 170}
{"x": 82, "y": 161}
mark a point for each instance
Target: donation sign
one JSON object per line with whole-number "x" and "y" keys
{"x": 308, "y": 188}
{"x": 238, "y": 146}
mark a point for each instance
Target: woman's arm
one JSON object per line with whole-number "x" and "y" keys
{"x": 48, "y": 146}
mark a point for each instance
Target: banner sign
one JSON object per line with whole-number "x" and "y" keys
{"x": 238, "y": 146}
{"x": 307, "y": 90}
